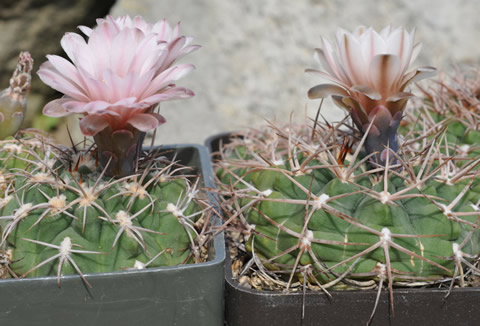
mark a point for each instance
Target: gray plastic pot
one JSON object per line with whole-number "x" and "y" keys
{"x": 425, "y": 306}
{"x": 179, "y": 295}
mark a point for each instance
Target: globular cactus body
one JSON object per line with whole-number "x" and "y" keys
{"x": 59, "y": 216}
{"x": 313, "y": 210}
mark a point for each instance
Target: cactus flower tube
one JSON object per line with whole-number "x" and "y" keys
{"x": 13, "y": 100}
{"x": 369, "y": 75}
{"x": 115, "y": 79}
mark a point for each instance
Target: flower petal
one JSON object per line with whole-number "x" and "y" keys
{"x": 419, "y": 74}
{"x": 123, "y": 52}
{"x": 145, "y": 121}
{"x": 352, "y": 59}
{"x": 170, "y": 94}
{"x": 325, "y": 90}
{"x": 385, "y": 70}
{"x": 167, "y": 77}
{"x": 85, "y": 30}
{"x": 55, "y": 108}
{"x": 367, "y": 91}
{"x": 55, "y": 79}
{"x": 92, "y": 124}
{"x": 400, "y": 96}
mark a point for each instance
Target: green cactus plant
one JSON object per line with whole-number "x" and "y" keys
{"x": 100, "y": 206}
{"x": 59, "y": 216}
{"x": 305, "y": 214}
{"x": 322, "y": 207}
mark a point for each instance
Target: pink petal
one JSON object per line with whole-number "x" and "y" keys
{"x": 367, "y": 91}
{"x": 96, "y": 107}
{"x": 332, "y": 61}
{"x": 78, "y": 51}
{"x": 56, "y": 109}
{"x": 385, "y": 69}
{"x": 144, "y": 121}
{"x": 320, "y": 56}
{"x": 386, "y": 31}
{"x": 55, "y": 79}
{"x": 400, "y": 96}
{"x": 96, "y": 90}
{"x": 325, "y": 90}
{"x": 170, "y": 94}
{"x": 128, "y": 101}
{"x": 101, "y": 42}
{"x": 122, "y": 52}
{"x": 372, "y": 45}
{"x": 352, "y": 60}
{"x": 85, "y": 30}
{"x": 67, "y": 69}
{"x": 176, "y": 31}
{"x": 163, "y": 29}
{"x": 142, "y": 82}
{"x": 148, "y": 53}
{"x": 325, "y": 75}
{"x": 90, "y": 125}
{"x": 415, "y": 51}
{"x": 74, "y": 106}
{"x": 174, "y": 49}
{"x": 119, "y": 88}
{"x": 400, "y": 43}
{"x": 419, "y": 74}
{"x": 166, "y": 77}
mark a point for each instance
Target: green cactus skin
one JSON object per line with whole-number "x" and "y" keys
{"x": 54, "y": 207}
{"x": 302, "y": 208}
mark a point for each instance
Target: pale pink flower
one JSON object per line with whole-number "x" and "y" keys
{"x": 370, "y": 75}
{"x": 116, "y": 76}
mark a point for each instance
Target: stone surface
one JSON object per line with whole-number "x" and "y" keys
{"x": 251, "y": 64}
{"x": 37, "y": 26}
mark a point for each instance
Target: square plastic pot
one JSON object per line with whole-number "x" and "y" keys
{"x": 244, "y": 306}
{"x": 420, "y": 306}
{"x": 179, "y": 295}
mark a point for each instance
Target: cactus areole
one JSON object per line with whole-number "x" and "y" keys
{"x": 116, "y": 79}
{"x": 370, "y": 77}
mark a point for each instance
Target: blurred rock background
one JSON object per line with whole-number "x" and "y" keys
{"x": 37, "y": 26}
{"x": 251, "y": 64}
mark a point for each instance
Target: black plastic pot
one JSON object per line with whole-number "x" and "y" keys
{"x": 424, "y": 307}
{"x": 180, "y": 295}
{"x": 244, "y": 306}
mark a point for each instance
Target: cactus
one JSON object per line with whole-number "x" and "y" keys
{"x": 13, "y": 99}
{"x": 316, "y": 206}
{"x": 102, "y": 207}
{"x": 309, "y": 211}
{"x": 59, "y": 216}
